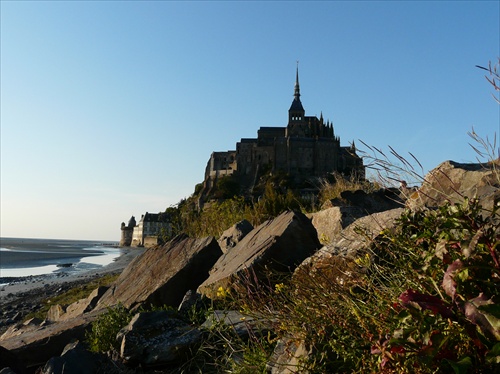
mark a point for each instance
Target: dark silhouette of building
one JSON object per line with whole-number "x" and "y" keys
{"x": 305, "y": 149}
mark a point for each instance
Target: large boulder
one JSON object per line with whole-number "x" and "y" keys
{"x": 155, "y": 338}
{"x": 75, "y": 358}
{"x": 9, "y": 360}
{"x": 243, "y": 325}
{"x": 163, "y": 275}
{"x": 234, "y": 234}
{"x": 339, "y": 213}
{"x": 34, "y": 347}
{"x": 22, "y": 327}
{"x": 59, "y": 313}
{"x": 452, "y": 181}
{"x": 281, "y": 243}
{"x": 370, "y": 202}
{"x": 287, "y": 356}
{"x": 336, "y": 261}
{"x": 331, "y": 221}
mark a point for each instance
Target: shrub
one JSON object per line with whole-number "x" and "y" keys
{"x": 424, "y": 298}
{"x": 102, "y": 336}
{"x": 330, "y": 190}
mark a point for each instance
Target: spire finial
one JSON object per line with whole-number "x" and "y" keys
{"x": 297, "y": 86}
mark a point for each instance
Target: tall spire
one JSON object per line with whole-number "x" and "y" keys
{"x": 296, "y": 112}
{"x": 297, "y": 86}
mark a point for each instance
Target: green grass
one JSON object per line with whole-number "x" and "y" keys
{"x": 73, "y": 295}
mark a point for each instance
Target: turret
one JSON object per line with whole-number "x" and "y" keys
{"x": 127, "y": 232}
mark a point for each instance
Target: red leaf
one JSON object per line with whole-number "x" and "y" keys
{"x": 449, "y": 285}
{"x": 429, "y": 302}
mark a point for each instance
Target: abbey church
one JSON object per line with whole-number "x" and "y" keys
{"x": 305, "y": 149}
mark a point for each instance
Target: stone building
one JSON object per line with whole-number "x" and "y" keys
{"x": 305, "y": 149}
{"x": 146, "y": 232}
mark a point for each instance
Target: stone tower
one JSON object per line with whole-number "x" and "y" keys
{"x": 127, "y": 232}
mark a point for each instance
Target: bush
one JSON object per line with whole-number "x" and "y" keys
{"x": 424, "y": 298}
{"x": 102, "y": 336}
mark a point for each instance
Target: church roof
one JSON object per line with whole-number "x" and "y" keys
{"x": 296, "y": 105}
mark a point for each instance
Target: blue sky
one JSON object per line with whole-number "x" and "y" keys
{"x": 111, "y": 109}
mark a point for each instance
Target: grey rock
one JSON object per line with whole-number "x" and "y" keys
{"x": 58, "y": 313}
{"x": 372, "y": 202}
{"x": 75, "y": 359}
{"x": 190, "y": 300}
{"x": 359, "y": 234}
{"x": 335, "y": 261}
{"x": 155, "y": 338}
{"x": 10, "y": 362}
{"x": 36, "y": 345}
{"x": 234, "y": 235}
{"x": 286, "y": 357}
{"x": 244, "y": 325}
{"x": 162, "y": 275}
{"x": 451, "y": 181}
{"x": 281, "y": 244}
{"x": 331, "y": 221}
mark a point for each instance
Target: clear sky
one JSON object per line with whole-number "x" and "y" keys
{"x": 111, "y": 109}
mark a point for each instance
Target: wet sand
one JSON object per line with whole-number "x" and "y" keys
{"x": 27, "y": 295}
{"x": 24, "y": 284}
{"x": 38, "y": 252}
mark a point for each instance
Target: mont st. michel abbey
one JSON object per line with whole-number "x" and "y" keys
{"x": 303, "y": 152}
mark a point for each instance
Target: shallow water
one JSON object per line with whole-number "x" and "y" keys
{"x": 20, "y": 257}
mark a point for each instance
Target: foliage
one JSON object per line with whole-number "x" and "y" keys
{"x": 423, "y": 299}
{"x": 223, "y": 350}
{"x": 102, "y": 336}
{"x": 272, "y": 203}
{"x": 217, "y": 216}
{"x": 447, "y": 313}
{"x": 494, "y": 76}
{"x": 330, "y": 190}
{"x": 73, "y": 295}
{"x": 226, "y": 188}
{"x": 392, "y": 167}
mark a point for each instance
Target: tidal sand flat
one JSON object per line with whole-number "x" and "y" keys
{"x": 30, "y": 257}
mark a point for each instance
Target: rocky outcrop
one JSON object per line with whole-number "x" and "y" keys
{"x": 243, "y": 325}
{"x": 59, "y": 313}
{"x": 155, "y": 338}
{"x": 339, "y": 213}
{"x": 10, "y": 362}
{"x": 286, "y": 357}
{"x": 163, "y": 275}
{"x": 355, "y": 238}
{"x": 369, "y": 203}
{"x": 34, "y": 347}
{"x": 234, "y": 234}
{"x": 331, "y": 221}
{"x": 75, "y": 358}
{"x": 281, "y": 243}
{"x": 22, "y": 327}
{"x": 452, "y": 181}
